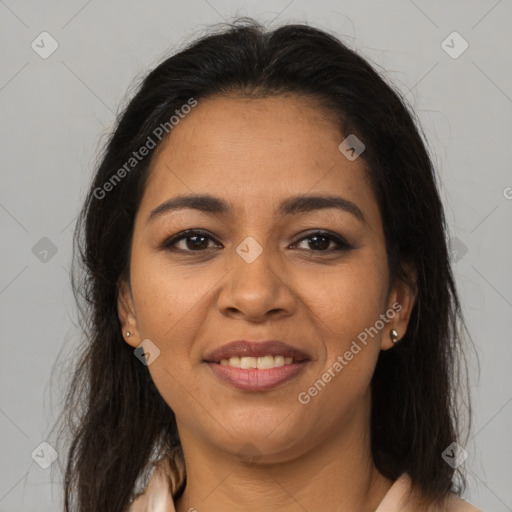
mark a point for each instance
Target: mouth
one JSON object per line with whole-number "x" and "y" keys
{"x": 256, "y": 366}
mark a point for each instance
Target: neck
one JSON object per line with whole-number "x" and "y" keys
{"x": 337, "y": 474}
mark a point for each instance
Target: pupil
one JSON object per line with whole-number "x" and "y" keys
{"x": 195, "y": 244}
{"x": 324, "y": 245}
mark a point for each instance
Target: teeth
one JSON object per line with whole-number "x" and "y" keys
{"x": 248, "y": 362}
{"x": 262, "y": 363}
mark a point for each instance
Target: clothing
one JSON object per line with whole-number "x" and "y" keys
{"x": 396, "y": 500}
{"x": 158, "y": 499}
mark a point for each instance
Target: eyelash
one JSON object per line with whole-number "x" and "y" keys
{"x": 169, "y": 243}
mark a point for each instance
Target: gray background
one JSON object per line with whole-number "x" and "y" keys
{"x": 56, "y": 111}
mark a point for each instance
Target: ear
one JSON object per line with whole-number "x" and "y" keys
{"x": 401, "y": 301}
{"x": 126, "y": 313}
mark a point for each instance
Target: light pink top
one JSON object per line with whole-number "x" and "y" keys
{"x": 397, "y": 500}
{"x": 157, "y": 498}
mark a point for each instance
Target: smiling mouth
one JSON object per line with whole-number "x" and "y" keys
{"x": 262, "y": 354}
{"x": 261, "y": 363}
{"x": 255, "y": 374}
{"x": 256, "y": 365}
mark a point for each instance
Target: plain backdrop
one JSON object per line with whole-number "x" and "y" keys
{"x": 57, "y": 108}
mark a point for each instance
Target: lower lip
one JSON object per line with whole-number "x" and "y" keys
{"x": 252, "y": 379}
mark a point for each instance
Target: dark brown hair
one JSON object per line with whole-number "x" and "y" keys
{"x": 115, "y": 412}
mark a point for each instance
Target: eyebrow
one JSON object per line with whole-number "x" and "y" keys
{"x": 291, "y": 206}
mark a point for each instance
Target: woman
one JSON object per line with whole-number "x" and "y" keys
{"x": 273, "y": 320}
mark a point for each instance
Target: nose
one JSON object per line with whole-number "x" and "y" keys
{"x": 256, "y": 291}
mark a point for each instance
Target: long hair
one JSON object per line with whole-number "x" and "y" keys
{"x": 118, "y": 419}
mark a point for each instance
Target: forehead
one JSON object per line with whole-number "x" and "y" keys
{"x": 255, "y": 151}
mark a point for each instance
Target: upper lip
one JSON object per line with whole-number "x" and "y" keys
{"x": 243, "y": 348}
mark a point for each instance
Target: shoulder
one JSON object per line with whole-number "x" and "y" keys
{"x": 402, "y": 497}
{"x": 456, "y": 504}
{"x": 157, "y": 496}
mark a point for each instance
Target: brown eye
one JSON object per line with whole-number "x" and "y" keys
{"x": 320, "y": 242}
{"x": 194, "y": 241}
{"x": 324, "y": 242}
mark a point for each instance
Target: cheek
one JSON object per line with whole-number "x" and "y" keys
{"x": 170, "y": 307}
{"x": 350, "y": 299}
{"x": 166, "y": 296}
{"x": 346, "y": 305}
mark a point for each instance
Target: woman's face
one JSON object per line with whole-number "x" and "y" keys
{"x": 258, "y": 271}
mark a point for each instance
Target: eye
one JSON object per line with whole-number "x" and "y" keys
{"x": 195, "y": 240}
{"x": 322, "y": 241}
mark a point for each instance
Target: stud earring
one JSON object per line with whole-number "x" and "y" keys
{"x": 128, "y": 334}
{"x": 394, "y": 335}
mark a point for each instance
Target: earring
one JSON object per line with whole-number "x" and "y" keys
{"x": 128, "y": 334}
{"x": 394, "y": 335}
